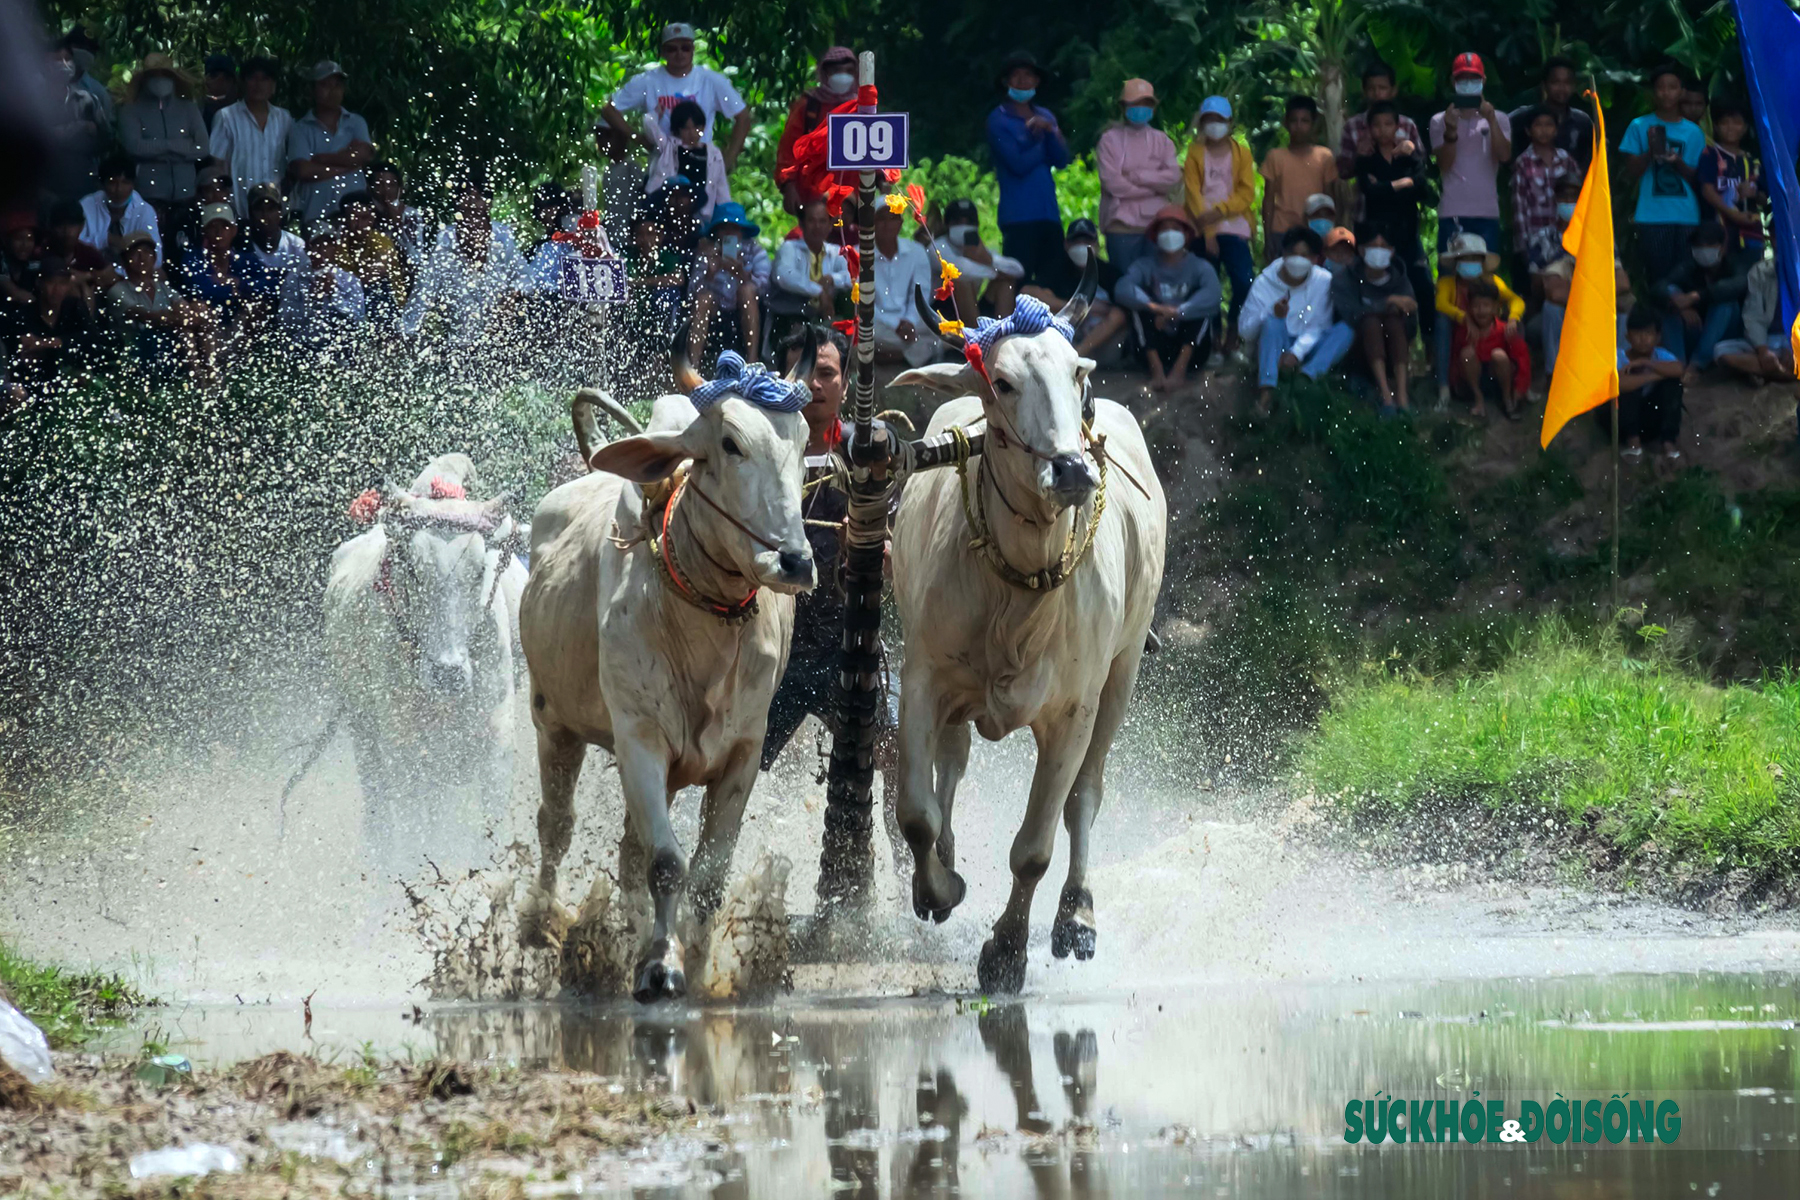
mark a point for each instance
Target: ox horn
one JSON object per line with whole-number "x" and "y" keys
{"x": 933, "y": 321}
{"x": 686, "y": 378}
{"x": 802, "y": 370}
{"x": 1076, "y": 310}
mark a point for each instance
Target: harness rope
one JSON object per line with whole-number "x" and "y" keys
{"x": 975, "y": 512}
{"x": 663, "y": 555}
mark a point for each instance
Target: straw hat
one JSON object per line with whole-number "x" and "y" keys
{"x": 158, "y": 63}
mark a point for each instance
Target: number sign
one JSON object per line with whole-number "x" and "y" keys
{"x": 866, "y": 141}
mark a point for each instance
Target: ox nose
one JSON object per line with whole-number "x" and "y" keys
{"x": 1072, "y": 479}
{"x": 796, "y": 565}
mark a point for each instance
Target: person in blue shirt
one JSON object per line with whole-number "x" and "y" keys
{"x": 1662, "y": 153}
{"x": 1649, "y": 390}
{"x": 1027, "y": 146}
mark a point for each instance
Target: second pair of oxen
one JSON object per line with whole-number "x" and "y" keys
{"x": 659, "y": 629}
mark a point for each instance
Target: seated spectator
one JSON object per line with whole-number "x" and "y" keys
{"x": 327, "y": 149}
{"x": 810, "y": 276}
{"x": 164, "y": 133}
{"x": 1765, "y": 354}
{"x": 403, "y": 224}
{"x": 214, "y": 185}
{"x": 1340, "y": 249}
{"x": 986, "y": 282}
{"x": 1391, "y": 179}
{"x": 91, "y": 271}
{"x": 115, "y": 212}
{"x": 837, "y": 85}
{"x": 1470, "y": 140}
{"x": 164, "y": 326}
{"x": 472, "y": 275}
{"x": 1545, "y": 246}
{"x": 1731, "y": 183}
{"x": 1490, "y": 351}
{"x": 1289, "y": 316}
{"x": 1554, "y": 280}
{"x": 1536, "y": 173}
{"x": 1106, "y": 316}
{"x": 1649, "y": 392}
{"x": 220, "y": 84}
{"x": 56, "y": 333}
{"x": 1219, "y": 189}
{"x": 900, "y": 266}
{"x": 1378, "y": 87}
{"x": 1175, "y": 294}
{"x": 684, "y": 151}
{"x": 1138, "y": 172}
{"x": 730, "y": 278}
{"x": 655, "y": 277}
{"x": 368, "y": 254}
{"x": 1374, "y": 299}
{"x": 1321, "y": 214}
{"x": 280, "y": 252}
{"x": 1704, "y": 298}
{"x": 335, "y": 304}
{"x": 1465, "y": 262}
{"x": 21, "y": 259}
{"x": 553, "y": 209}
{"x": 250, "y": 135}
{"x": 228, "y": 280}
{"x": 1295, "y": 172}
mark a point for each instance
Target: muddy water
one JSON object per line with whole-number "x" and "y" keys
{"x": 1210, "y": 1091}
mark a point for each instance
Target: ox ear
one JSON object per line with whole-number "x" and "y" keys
{"x": 950, "y": 379}
{"x": 645, "y": 458}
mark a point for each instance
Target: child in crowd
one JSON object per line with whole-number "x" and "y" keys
{"x": 1765, "y": 354}
{"x": 1391, "y": 179}
{"x": 1662, "y": 151}
{"x": 1289, "y": 316}
{"x": 1489, "y": 350}
{"x": 1378, "y": 87}
{"x": 1295, "y": 172}
{"x": 1219, "y": 187}
{"x": 1535, "y": 176}
{"x": 685, "y": 152}
{"x": 1731, "y": 182}
{"x": 1464, "y": 263}
{"x": 1649, "y": 392}
{"x": 1704, "y": 295}
{"x": 1175, "y": 294}
{"x": 1340, "y": 249}
{"x": 1373, "y": 298}
{"x": 1553, "y": 270}
{"x": 1321, "y": 213}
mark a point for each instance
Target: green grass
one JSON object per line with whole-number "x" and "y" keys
{"x": 1675, "y": 774}
{"x": 69, "y": 1007}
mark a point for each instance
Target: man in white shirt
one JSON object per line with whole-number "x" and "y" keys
{"x": 250, "y": 136}
{"x": 281, "y": 251}
{"x": 658, "y": 90}
{"x": 470, "y": 275}
{"x": 1288, "y": 314}
{"x": 116, "y": 211}
{"x": 900, "y": 266}
{"x": 810, "y": 272}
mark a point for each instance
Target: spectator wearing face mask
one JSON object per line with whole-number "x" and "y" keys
{"x": 1703, "y": 300}
{"x": 1219, "y": 190}
{"x": 986, "y": 282}
{"x": 1290, "y": 319}
{"x": 1553, "y": 270}
{"x": 1471, "y": 140}
{"x": 1321, "y": 214}
{"x": 83, "y": 50}
{"x": 1340, "y": 249}
{"x": 1175, "y": 295}
{"x": 1394, "y": 189}
{"x": 1465, "y": 262}
{"x": 164, "y": 133}
{"x": 901, "y": 268}
{"x": 1138, "y": 172}
{"x": 837, "y": 85}
{"x": 1373, "y": 298}
{"x": 731, "y": 276}
{"x": 1106, "y": 316}
{"x": 1027, "y": 146}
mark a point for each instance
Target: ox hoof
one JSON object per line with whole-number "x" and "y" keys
{"x": 1074, "y": 926}
{"x": 660, "y": 977}
{"x": 1001, "y": 970}
{"x": 543, "y": 923}
{"x": 927, "y": 906}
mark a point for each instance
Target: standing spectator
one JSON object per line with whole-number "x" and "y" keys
{"x": 810, "y": 274}
{"x": 327, "y": 149}
{"x": 731, "y": 276}
{"x": 371, "y": 256}
{"x": 250, "y": 135}
{"x": 1765, "y": 354}
{"x": 1289, "y": 316}
{"x": 1219, "y": 189}
{"x": 900, "y": 266}
{"x": 221, "y": 87}
{"x": 279, "y": 252}
{"x": 1731, "y": 182}
{"x": 55, "y": 332}
{"x": 403, "y": 224}
{"x": 686, "y": 152}
{"x": 1574, "y": 128}
{"x": 165, "y": 135}
{"x": 82, "y": 50}
{"x": 1027, "y": 146}
{"x": 986, "y": 282}
{"x": 1535, "y": 176}
{"x": 1175, "y": 294}
{"x": 837, "y": 85}
{"x": 1703, "y": 298}
{"x": 1471, "y": 140}
{"x": 1490, "y": 351}
{"x": 1375, "y": 300}
{"x": 658, "y": 90}
{"x": 1378, "y": 87}
{"x": 1662, "y": 152}
{"x": 1649, "y": 391}
{"x": 229, "y": 281}
{"x": 1106, "y": 316}
{"x": 1394, "y": 189}
{"x": 1693, "y": 103}
{"x": 116, "y": 211}
{"x": 1138, "y": 173}
{"x": 1293, "y": 172}
{"x": 1466, "y": 262}
{"x": 623, "y": 184}
{"x": 77, "y": 126}
{"x": 472, "y": 274}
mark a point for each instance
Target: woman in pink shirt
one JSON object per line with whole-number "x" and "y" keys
{"x": 1138, "y": 172}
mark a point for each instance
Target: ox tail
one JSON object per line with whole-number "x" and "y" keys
{"x": 312, "y": 756}
{"x": 587, "y": 430}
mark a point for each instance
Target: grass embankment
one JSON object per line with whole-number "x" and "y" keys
{"x": 69, "y": 1007}
{"x": 1654, "y": 774}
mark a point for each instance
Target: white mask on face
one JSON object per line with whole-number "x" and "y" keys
{"x": 1171, "y": 240}
{"x": 160, "y": 86}
{"x": 1378, "y": 257}
{"x": 840, "y": 81}
{"x": 958, "y": 234}
{"x": 1468, "y": 87}
{"x": 1214, "y": 130}
{"x": 1297, "y": 266}
{"x": 1708, "y": 256}
{"x": 1079, "y": 254}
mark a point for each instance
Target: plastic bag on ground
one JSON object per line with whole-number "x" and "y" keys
{"x": 200, "y": 1158}
{"x": 22, "y": 1046}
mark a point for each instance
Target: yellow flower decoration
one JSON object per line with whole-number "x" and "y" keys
{"x": 950, "y": 328}
{"x": 951, "y": 272}
{"x": 855, "y": 291}
{"x": 896, "y": 203}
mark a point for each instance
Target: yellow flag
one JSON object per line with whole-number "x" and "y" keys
{"x": 1587, "y": 362}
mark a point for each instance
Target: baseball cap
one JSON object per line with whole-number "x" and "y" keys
{"x": 676, "y": 31}
{"x": 325, "y": 69}
{"x": 1217, "y": 106}
{"x": 1083, "y": 228}
{"x": 1137, "y": 90}
{"x": 1319, "y": 202}
{"x": 216, "y": 212}
{"x": 1468, "y": 63}
{"x": 134, "y": 239}
{"x": 261, "y": 192}
{"x": 961, "y": 212}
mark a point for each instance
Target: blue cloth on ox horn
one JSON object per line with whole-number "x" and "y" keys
{"x": 754, "y": 383}
{"x": 1029, "y": 315}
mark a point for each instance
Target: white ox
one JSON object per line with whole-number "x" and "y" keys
{"x": 623, "y": 658}
{"x": 421, "y": 621}
{"x": 1061, "y": 662}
